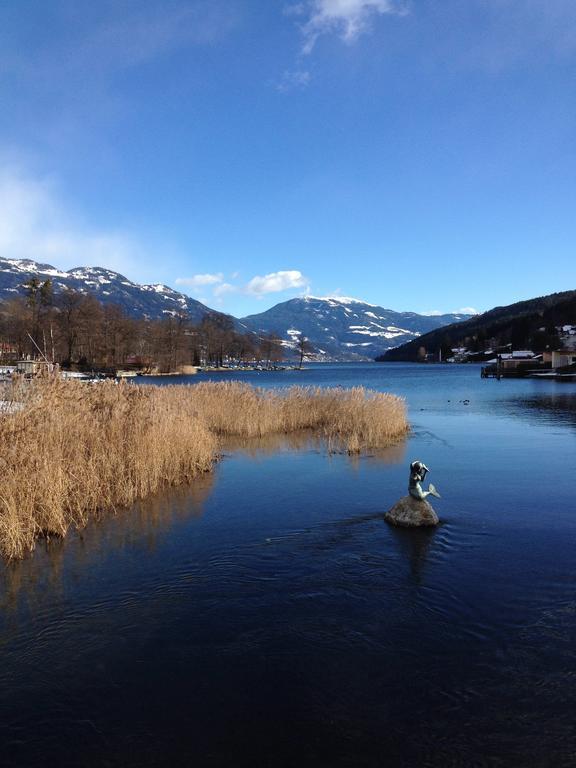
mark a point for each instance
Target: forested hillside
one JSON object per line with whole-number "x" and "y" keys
{"x": 526, "y": 324}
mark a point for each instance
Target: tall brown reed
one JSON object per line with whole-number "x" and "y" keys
{"x": 69, "y": 451}
{"x": 350, "y": 419}
{"x": 75, "y": 450}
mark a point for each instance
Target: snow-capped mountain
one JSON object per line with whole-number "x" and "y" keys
{"x": 342, "y": 328}
{"x": 153, "y": 301}
{"x": 338, "y": 328}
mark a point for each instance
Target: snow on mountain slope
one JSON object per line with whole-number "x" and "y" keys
{"x": 338, "y": 327}
{"x": 153, "y": 301}
{"x": 343, "y": 328}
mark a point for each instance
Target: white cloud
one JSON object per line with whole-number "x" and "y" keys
{"x": 275, "y": 282}
{"x": 222, "y": 290}
{"x": 346, "y": 18}
{"x": 36, "y": 223}
{"x": 197, "y": 281}
{"x": 258, "y": 286}
{"x": 466, "y": 311}
{"x": 461, "y": 311}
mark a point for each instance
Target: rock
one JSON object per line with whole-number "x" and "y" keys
{"x": 410, "y": 513}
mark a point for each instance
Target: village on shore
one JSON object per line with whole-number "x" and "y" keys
{"x": 505, "y": 362}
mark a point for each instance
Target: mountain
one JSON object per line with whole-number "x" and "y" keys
{"x": 338, "y": 328}
{"x": 152, "y": 301}
{"x": 527, "y": 324}
{"x": 341, "y": 328}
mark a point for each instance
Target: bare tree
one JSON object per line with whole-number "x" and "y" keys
{"x": 218, "y": 336}
{"x": 68, "y": 320}
{"x": 271, "y": 348}
{"x": 16, "y": 316}
{"x": 39, "y": 300}
{"x": 79, "y": 330}
{"x": 304, "y": 348}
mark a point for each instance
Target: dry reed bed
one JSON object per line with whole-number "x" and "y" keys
{"x": 69, "y": 451}
{"x": 350, "y": 419}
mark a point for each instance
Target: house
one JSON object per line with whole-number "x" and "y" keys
{"x": 8, "y": 350}
{"x": 34, "y": 367}
{"x": 562, "y": 357}
{"x": 510, "y": 361}
{"x": 567, "y": 335}
{"x": 459, "y": 355}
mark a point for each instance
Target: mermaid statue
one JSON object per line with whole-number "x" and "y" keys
{"x": 418, "y": 471}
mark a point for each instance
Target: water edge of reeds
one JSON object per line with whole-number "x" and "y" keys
{"x": 71, "y": 451}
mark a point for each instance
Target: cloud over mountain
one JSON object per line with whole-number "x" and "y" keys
{"x": 276, "y": 281}
{"x": 37, "y": 221}
{"x": 346, "y": 18}
{"x": 199, "y": 281}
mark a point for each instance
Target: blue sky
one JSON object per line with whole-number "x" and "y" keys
{"x": 420, "y": 155}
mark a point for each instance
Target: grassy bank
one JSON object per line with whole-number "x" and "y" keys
{"x": 69, "y": 451}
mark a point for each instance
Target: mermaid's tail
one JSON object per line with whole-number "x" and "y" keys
{"x": 432, "y": 490}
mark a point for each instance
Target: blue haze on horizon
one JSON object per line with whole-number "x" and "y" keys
{"x": 420, "y": 155}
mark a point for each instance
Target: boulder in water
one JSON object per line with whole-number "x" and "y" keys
{"x": 409, "y": 512}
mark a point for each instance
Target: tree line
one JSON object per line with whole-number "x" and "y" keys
{"x": 74, "y": 329}
{"x": 531, "y": 324}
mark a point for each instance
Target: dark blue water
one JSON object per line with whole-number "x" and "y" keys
{"x": 267, "y": 616}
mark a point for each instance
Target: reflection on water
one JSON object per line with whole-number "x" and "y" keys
{"x": 274, "y": 443}
{"x": 143, "y": 527}
{"x": 554, "y": 408}
{"x": 150, "y": 520}
{"x": 305, "y": 440}
{"x": 415, "y": 545}
{"x": 267, "y": 615}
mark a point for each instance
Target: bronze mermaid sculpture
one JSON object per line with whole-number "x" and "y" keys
{"x": 418, "y": 471}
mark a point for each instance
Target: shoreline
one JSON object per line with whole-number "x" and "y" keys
{"x": 72, "y": 452}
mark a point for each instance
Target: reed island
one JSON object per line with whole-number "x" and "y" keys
{"x": 70, "y": 451}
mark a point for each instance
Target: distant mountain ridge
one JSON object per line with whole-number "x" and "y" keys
{"x": 525, "y": 324}
{"x": 152, "y": 301}
{"x": 343, "y": 328}
{"x": 338, "y": 327}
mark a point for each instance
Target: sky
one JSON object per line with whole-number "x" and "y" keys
{"x": 417, "y": 154}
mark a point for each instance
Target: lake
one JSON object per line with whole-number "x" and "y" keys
{"x": 268, "y": 616}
